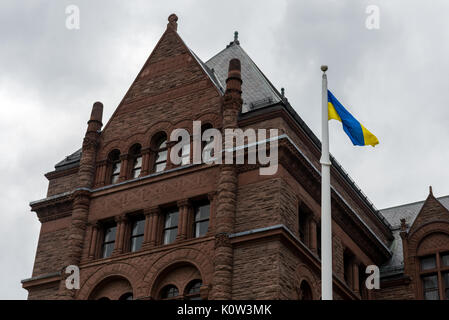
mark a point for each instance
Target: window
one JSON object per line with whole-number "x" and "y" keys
{"x": 126, "y": 296}
{"x": 171, "y": 226}
{"x": 202, "y": 213}
{"x": 434, "y": 270}
{"x": 108, "y": 241}
{"x": 185, "y": 154}
{"x": 136, "y": 158}
{"x": 207, "y": 146}
{"x": 161, "y": 155}
{"x": 114, "y": 159}
{"x": 193, "y": 290}
{"x": 169, "y": 292}
{"x": 137, "y": 233}
{"x": 304, "y": 215}
{"x": 348, "y": 259}
{"x": 430, "y": 287}
{"x": 428, "y": 263}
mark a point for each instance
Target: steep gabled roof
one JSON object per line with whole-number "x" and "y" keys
{"x": 409, "y": 212}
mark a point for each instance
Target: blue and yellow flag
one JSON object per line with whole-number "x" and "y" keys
{"x": 359, "y": 135}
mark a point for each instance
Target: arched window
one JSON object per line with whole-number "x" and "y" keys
{"x": 114, "y": 160}
{"x": 160, "y": 162}
{"x": 193, "y": 290}
{"x": 136, "y": 160}
{"x": 126, "y": 296}
{"x": 169, "y": 292}
{"x": 207, "y": 146}
{"x": 305, "y": 291}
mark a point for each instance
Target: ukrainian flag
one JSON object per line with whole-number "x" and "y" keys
{"x": 359, "y": 135}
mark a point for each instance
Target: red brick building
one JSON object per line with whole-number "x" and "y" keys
{"x": 140, "y": 227}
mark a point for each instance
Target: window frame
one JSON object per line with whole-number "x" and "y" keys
{"x": 197, "y": 222}
{"x": 159, "y": 141}
{"x": 133, "y": 221}
{"x": 106, "y": 226}
{"x": 192, "y": 296}
{"x": 166, "y": 212}
{"x": 440, "y": 270}
{"x": 166, "y": 287}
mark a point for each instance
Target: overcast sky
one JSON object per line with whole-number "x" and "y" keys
{"x": 393, "y": 79}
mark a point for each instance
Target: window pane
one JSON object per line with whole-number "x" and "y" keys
{"x": 160, "y": 167}
{"x": 114, "y": 178}
{"x": 428, "y": 263}
{"x": 201, "y": 228}
{"x": 430, "y": 286}
{"x": 136, "y": 173}
{"x": 116, "y": 168}
{"x": 430, "y": 282}
{"x": 138, "y": 227}
{"x": 109, "y": 234}
{"x": 163, "y": 144}
{"x": 445, "y": 259}
{"x": 136, "y": 243}
{"x": 202, "y": 212}
{"x": 138, "y": 162}
{"x": 431, "y": 295}
{"x": 107, "y": 249}
{"x": 446, "y": 285}
{"x": 161, "y": 156}
{"x": 169, "y": 292}
{"x": 170, "y": 235}
{"x": 171, "y": 219}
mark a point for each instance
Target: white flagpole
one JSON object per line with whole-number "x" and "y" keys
{"x": 326, "y": 219}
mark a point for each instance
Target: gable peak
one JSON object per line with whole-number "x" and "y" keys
{"x": 172, "y": 22}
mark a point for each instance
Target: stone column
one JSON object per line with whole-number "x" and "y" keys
{"x": 120, "y": 234}
{"x": 123, "y": 167}
{"x": 227, "y": 192}
{"x": 211, "y": 197}
{"x": 93, "y": 241}
{"x": 145, "y": 162}
{"x": 184, "y": 206}
{"x": 155, "y": 212}
{"x": 81, "y": 195}
{"x": 101, "y": 174}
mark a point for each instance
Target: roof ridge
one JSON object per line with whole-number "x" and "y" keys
{"x": 412, "y": 203}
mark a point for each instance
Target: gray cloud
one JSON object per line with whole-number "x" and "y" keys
{"x": 392, "y": 79}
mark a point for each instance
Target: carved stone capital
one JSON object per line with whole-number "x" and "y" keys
{"x": 184, "y": 203}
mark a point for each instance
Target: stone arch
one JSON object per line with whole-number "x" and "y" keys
{"x": 178, "y": 257}
{"x": 305, "y": 275}
{"x": 111, "y": 288}
{"x": 433, "y": 242}
{"x": 178, "y": 274}
{"x": 162, "y": 126}
{"x": 111, "y": 271}
{"x": 211, "y": 118}
{"x": 417, "y": 236}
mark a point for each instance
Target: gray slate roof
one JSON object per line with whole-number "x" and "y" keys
{"x": 69, "y": 161}
{"x": 394, "y": 215}
{"x": 257, "y": 91}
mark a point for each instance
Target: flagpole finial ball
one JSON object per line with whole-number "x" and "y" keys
{"x": 324, "y": 68}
